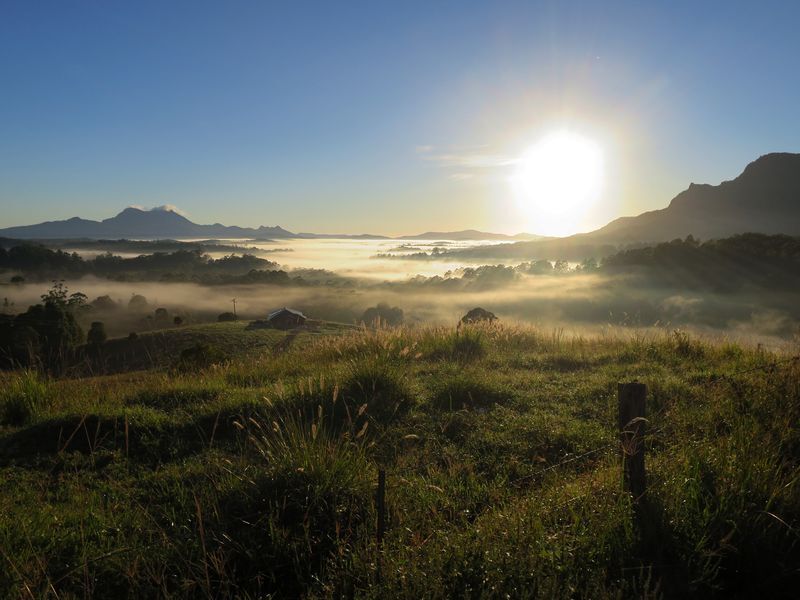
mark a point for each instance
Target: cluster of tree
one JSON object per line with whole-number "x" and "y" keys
{"x": 47, "y": 334}
{"x": 144, "y": 246}
{"x": 465, "y": 278}
{"x": 39, "y": 263}
{"x": 34, "y": 259}
{"x": 564, "y": 248}
{"x": 747, "y": 260}
{"x": 382, "y": 314}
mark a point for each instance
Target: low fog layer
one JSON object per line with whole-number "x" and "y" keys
{"x": 576, "y": 302}
{"x": 745, "y": 286}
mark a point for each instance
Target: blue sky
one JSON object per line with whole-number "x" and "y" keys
{"x": 375, "y": 116}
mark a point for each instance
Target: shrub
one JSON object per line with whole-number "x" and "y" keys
{"x": 23, "y": 399}
{"x": 226, "y": 317}
{"x": 178, "y": 321}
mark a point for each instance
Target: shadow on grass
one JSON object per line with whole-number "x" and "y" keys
{"x": 144, "y": 436}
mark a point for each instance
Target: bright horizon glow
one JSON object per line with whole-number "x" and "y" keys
{"x": 556, "y": 181}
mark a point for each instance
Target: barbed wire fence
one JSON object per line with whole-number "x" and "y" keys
{"x": 633, "y": 436}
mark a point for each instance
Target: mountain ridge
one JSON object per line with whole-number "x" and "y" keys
{"x": 763, "y": 198}
{"x": 161, "y": 223}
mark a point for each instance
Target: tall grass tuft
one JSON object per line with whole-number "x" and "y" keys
{"x": 379, "y": 385}
{"x": 464, "y": 390}
{"x": 463, "y": 344}
{"x": 25, "y": 398}
{"x": 309, "y": 505}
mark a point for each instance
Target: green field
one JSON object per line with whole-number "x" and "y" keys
{"x": 255, "y": 476}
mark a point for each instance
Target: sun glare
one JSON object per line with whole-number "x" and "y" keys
{"x": 557, "y": 180}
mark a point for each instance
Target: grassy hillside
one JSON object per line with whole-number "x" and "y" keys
{"x": 256, "y": 477}
{"x": 232, "y": 340}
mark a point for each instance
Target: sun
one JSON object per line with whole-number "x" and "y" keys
{"x": 557, "y": 180}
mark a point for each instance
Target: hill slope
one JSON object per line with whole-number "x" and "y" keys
{"x": 256, "y": 478}
{"x": 765, "y": 198}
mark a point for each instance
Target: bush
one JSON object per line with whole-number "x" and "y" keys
{"x": 226, "y": 317}
{"x": 24, "y": 399}
{"x": 178, "y": 321}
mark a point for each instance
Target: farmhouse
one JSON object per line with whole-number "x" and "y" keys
{"x": 286, "y": 318}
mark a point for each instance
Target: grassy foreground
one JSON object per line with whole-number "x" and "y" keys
{"x": 256, "y": 478}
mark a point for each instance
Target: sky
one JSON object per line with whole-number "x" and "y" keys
{"x": 388, "y": 118}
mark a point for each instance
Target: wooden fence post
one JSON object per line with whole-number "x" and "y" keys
{"x": 380, "y": 504}
{"x": 632, "y": 424}
{"x": 380, "y": 501}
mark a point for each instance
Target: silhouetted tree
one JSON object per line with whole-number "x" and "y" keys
{"x": 138, "y": 303}
{"x": 104, "y": 303}
{"x": 478, "y": 315}
{"x": 57, "y": 331}
{"x": 383, "y": 314}
{"x": 97, "y": 334}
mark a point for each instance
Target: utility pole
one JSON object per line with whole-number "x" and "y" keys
{"x": 234, "y": 307}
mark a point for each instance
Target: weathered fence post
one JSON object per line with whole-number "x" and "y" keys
{"x": 380, "y": 504}
{"x": 380, "y": 501}
{"x": 632, "y": 424}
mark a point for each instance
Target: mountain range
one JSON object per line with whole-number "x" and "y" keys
{"x": 764, "y": 198}
{"x": 164, "y": 222}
